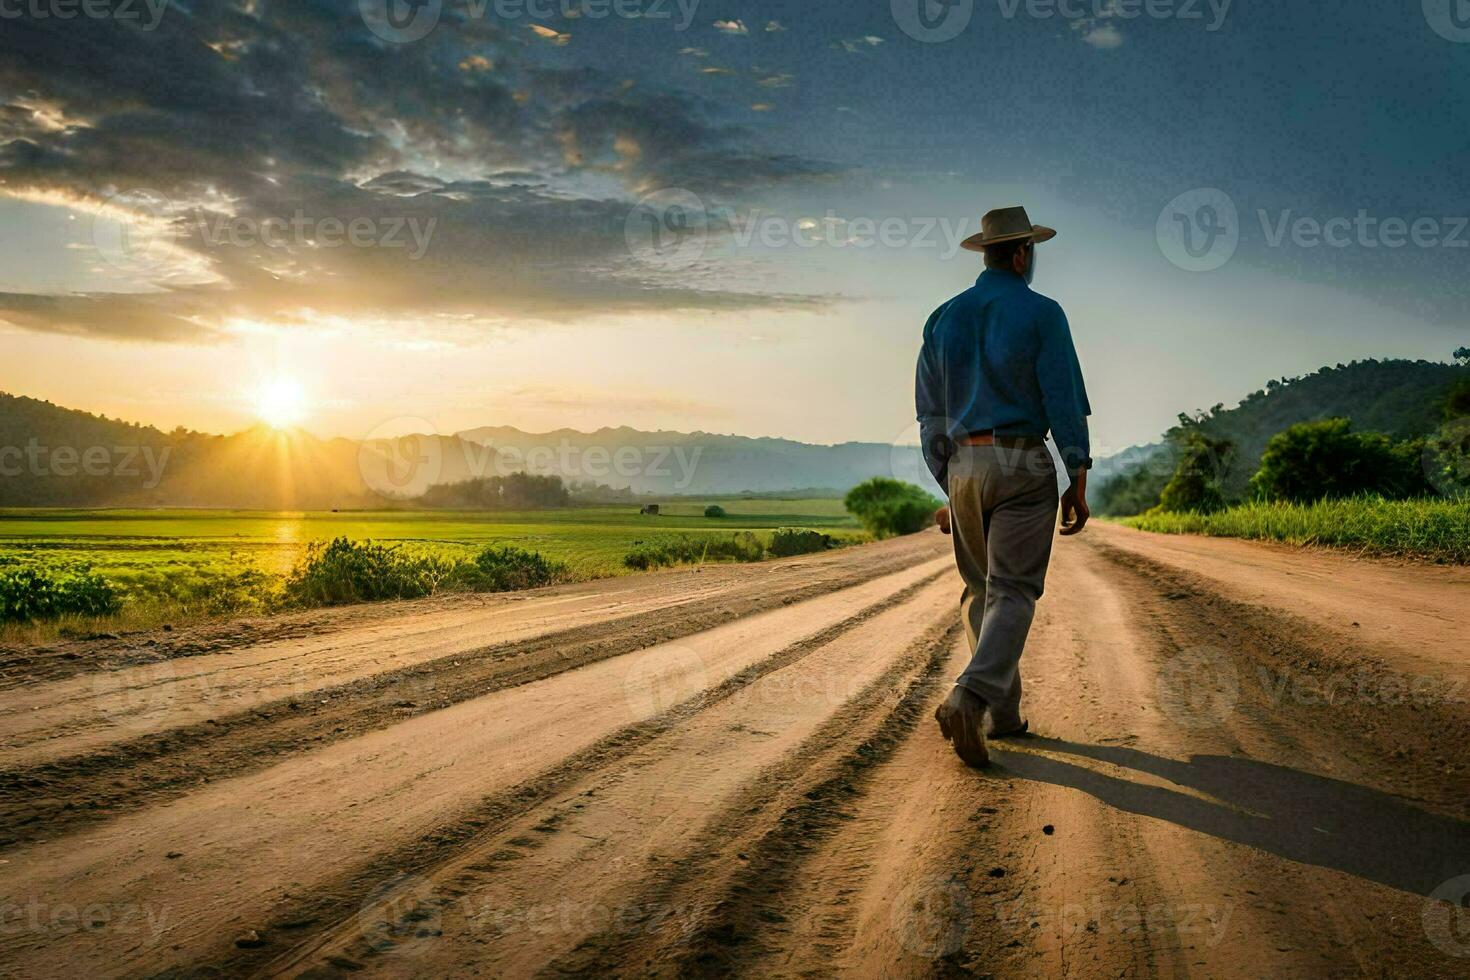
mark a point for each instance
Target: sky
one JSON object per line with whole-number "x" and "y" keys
{"x": 360, "y": 215}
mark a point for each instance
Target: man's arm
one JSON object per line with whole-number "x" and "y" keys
{"x": 1059, "y": 376}
{"x": 929, "y": 404}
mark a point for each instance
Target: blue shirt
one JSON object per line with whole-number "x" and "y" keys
{"x": 1000, "y": 357}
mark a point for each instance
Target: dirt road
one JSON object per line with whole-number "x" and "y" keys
{"x": 1248, "y": 761}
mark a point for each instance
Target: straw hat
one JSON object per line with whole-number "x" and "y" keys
{"x": 1007, "y": 225}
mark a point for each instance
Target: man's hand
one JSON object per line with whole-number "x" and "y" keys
{"x": 1074, "y": 505}
{"x": 941, "y": 517}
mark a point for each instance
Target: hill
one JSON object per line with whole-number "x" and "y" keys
{"x": 55, "y": 456}
{"x": 1399, "y": 398}
{"x": 693, "y": 462}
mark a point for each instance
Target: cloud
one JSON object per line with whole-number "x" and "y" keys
{"x": 548, "y": 34}
{"x": 477, "y": 62}
{"x": 773, "y": 26}
{"x": 731, "y": 27}
{"x": 857, "y": 45}
{"x": 1098, "y": 30}
{"x": 281, "y": 110}
{"x": 694, "y": 52}
{"x": 1104, "y": 37}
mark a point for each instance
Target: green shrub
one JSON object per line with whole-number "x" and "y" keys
{"x": 1446, "y": 458}
{"x": 510, "y": 569}
{"x": 714, "y": 510}
{"x": 887, "y": 507}
{"x": 690, "y": 549}
{"x": 1327, "y": 460}
{"x": 210, "y": 591}
{"x": 30, "y": 593}
{"x": 342, "y": 571}
{"x": 788, "y": 541}
{"x": 1195, "y": 485}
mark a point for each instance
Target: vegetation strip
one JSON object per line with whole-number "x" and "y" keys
{"x": 1434, "y": 530}
{"x": 57, "y": 797}
{"x": 336, "y": 902}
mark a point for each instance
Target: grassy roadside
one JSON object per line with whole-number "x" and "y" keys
{"x": 177, "y": 567}
{"x": 1429, "y": 530}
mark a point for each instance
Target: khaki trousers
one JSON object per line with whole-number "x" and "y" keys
{"x": 1003, "y": 514}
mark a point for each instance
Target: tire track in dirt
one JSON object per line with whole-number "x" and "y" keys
{"x": 1185, "y": 808}
{"x": 1203, "y": 825}
{"x": 1155, "y": 831}
{"x": 527, "y": 894}
{"x": 60, "y": 795}
{"x": 71, "y": 717}
{"x": 1407, "y": 613}
{"x": 1367, "y": 716}
{"x": 388, "y": 796}
{"x": 46, "y": 720}
{"x": 748, "y": 854}
{"x": 27, "y": 666}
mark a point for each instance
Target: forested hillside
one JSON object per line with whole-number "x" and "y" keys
{"x": 1402, "y": 399}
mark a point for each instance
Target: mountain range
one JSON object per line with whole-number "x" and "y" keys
{"x": 55, "y": 456}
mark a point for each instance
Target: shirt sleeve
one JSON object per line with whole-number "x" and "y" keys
{"x": 929, "y": 403}
{"x": 1059, "y": 375}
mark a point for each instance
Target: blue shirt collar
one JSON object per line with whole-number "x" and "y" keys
{"x": 996, "y": 277}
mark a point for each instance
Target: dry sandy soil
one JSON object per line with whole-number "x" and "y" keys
{"x": 1245, "y": 761}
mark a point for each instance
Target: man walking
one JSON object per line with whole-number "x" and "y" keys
{"x": 996, "y": 372}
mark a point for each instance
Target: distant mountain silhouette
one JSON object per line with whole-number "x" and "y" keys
{"x": 54, "y": 456}
{"x": 696, "y": 462}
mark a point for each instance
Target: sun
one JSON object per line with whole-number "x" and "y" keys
{"x": 280, "y": 403}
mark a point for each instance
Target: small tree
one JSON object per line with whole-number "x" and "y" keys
{"x": 788, "y": 541}
{"x": 1195, "y": 485}
{"x": 888, "y": 507}
{"x": 1325, "y": 459}
{"x": 714, "y": 510}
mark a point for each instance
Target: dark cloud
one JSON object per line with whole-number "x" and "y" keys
{"x": 237, "y": 115}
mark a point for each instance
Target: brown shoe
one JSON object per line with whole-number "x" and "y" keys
{"x": 962, "y": 721}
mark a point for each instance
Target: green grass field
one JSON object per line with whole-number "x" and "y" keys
{"x": 160, "y": 552}
{"x": 1437, "y": 530}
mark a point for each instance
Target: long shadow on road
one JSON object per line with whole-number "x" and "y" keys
{"x": 1295, "y": 815}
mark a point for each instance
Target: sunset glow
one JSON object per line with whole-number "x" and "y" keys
{"x": 280, "y": 403}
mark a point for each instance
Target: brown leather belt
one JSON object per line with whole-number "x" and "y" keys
{"x": 1006, "y": 442}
